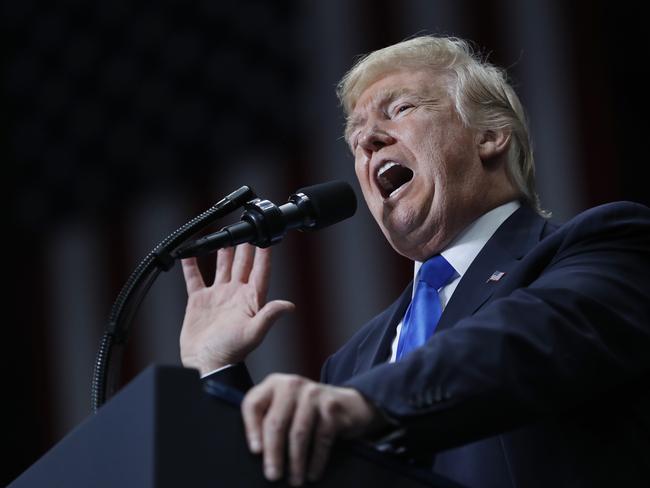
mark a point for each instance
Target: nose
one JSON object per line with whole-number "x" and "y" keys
{"x": 374, "y": 138}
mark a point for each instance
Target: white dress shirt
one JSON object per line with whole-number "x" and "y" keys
{"x": 461, "y": 252}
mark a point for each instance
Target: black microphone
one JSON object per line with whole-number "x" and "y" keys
{"x": 263, "y": 223}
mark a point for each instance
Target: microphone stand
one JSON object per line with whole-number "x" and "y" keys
{"x": 160, "y": 258}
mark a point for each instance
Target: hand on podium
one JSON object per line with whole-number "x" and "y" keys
{"x": 288, "y": 413}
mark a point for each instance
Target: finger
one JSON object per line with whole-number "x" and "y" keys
{"x": 243, "y": 263}
{"x": 192, "y": 274}
{"x": 322, "y": 446}
{"x": 224, "y": 265}
{"x": 274, "y": 437}
{"x": 262, "y": 271}
{"x": 300, "y": 435}
{"x": 253, "y": 408}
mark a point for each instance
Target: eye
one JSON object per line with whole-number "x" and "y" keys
{"x": 402, "y": 107}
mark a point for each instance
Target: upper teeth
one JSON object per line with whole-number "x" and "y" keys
{"x": 385, "y": 167}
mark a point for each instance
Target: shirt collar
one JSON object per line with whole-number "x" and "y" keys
{"x": 466, "y": 246}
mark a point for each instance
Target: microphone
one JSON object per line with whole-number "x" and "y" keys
{"x": 263, "y": 223}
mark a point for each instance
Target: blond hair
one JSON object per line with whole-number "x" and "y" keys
{"x": 481, "y": 93}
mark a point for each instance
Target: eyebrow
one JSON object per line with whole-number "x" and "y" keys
{"x": 384, "y": 97}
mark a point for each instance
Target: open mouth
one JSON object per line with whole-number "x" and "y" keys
{"x": 391, "y": 176}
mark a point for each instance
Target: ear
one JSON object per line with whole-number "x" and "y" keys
{"x": 493, "y": 143}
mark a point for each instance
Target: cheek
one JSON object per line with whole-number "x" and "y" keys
{"x": 361, "y": 170}
{"x": 358, "y": 167}
{"x": 431, "y": 166}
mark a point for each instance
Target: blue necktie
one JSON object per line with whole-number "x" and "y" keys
{"x": 425, "y": 309}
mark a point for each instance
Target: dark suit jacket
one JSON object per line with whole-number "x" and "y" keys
{"x": 549, "y": 366}
{"x": 538, "y": 379}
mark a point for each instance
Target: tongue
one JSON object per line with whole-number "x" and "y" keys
{"x": 394, "y": 177}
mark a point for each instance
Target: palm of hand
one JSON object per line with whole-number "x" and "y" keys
{"x": 224, "y": 322}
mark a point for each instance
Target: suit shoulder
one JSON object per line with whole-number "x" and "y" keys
{"x": 616, "y": 218}
{"x": 630, "y": 212}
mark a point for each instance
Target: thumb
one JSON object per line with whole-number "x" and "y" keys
{"x": 275, "y": 309}
{"x": 267, "y": 315}
{"x": 271, "y": 312}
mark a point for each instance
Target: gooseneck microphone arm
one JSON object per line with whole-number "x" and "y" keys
{"x": 161, "y": 258}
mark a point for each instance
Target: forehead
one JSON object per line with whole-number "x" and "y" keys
{"x": 391, "y": 85}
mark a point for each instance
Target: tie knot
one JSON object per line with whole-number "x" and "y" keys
{"x": 436, "y": 272}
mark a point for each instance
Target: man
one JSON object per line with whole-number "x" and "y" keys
{"x": 536, "y": 371}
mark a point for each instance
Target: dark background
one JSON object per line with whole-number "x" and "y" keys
{"x": 121, "y": 120}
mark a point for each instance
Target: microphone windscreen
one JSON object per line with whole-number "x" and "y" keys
{"x": 332, "y": 202}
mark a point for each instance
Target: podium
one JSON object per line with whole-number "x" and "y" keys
{"x": 163, "y": 430}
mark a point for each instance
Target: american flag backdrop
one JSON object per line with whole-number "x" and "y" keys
{"x": 124, "y": 119}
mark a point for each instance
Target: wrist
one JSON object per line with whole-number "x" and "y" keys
{"x": 210, "y": 373}
{"x": 205, "y": 366}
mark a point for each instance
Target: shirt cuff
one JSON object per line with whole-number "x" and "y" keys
{"x": 216, "y": 370}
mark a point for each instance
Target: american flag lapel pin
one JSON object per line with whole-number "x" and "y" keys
{"x": 496, "y": 276}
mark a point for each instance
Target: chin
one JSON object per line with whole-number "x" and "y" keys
{"x": 402, "y": 220}
{"x": 403, "y": 242}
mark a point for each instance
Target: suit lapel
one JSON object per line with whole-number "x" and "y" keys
{"x": 375, "y": 348}
{"x": 512, "y": 240}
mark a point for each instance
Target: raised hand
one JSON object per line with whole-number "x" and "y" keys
{"x": 224, "y": 322}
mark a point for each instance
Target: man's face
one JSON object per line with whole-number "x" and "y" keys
{"x": 418, "y": 166}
